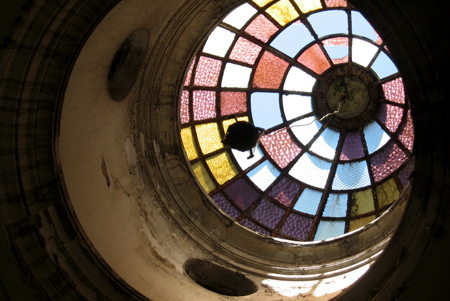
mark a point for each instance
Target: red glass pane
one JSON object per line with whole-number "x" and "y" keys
{"x": 270, "y": 71}
{"x": 389, "y": 160}
{"x": 280, "y": 146}
{"x": 261, "y": 28}
{"x": 391, "y": 116}
{"x": 184, "y": 107}
{"x": 407, "y": 135}
{"x": 314, "y": 59}
{"x": 297, "y": 226}
{"x": 242, "y": 193}
{"x": 394, "y": 90}
{"x": 187, "y": 81}
{"x": 268, "y": 214}
{"x": 233, "y": 103}
{"x": 336, "y": 3}
{"x": 207, "y": 72}
{"x": 285, "y": 191}
{"x": 204, "y": 104}
{"x": 353, "y": 148}
{"x": 226, "y": 206}
{"x": 245, "y": 51}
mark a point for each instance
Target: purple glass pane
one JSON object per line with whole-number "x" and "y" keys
{"x": 391, "y": 116}
{"x": 204, "y": 104}
{"x": 386, "y": 162}
{"x": 353, "y": 148}
{"x": 187, "y": 81}
{"x": 280, "y": 147}
{"x": 251, "y": 225}
{"x": 270, "y": 71}
{"x": 407, "y": 134}
{"x": 336, "y": 3}
{"x": 285, "y": 191}
{"x": 233, "y": 103}
{"x": 207, "y": 72}
{"x": 261, "y": 28}
{"x": 405, "y": 173}
{"x": 394, "y": 90}
{"x": 268, "y": 214}
{"x": 226, "y": 206}
{"x": 242, "y": 193}
{"x": 245, "y": 51}
{"x": 184, "y": 107}
{"x": 297, "y": 226}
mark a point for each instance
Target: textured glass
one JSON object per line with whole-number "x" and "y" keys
{"x": 236, "y": 76}
{"x": 361, "y": 222}
{"x": 361, "y": 27}
{"x": 245, "y": 51}
{"x": 219, "y": 41}
{"x": 261, "y": 103}
{"x": 261, "y": 28}
{"x": 207, "y": 72}
{"x": 292, "y": 39}
{"x": 233, "y": 103}
{"x": 299, "y": 80}
{"x": 241, "y": 158}
{"x": 309, "y": 201}
{"x": 336, "y": 205}
{"x": 387, "y": 193}
{"x": 184, "y": 107}
{"x": 226, "y": 206}
{"x": 405, "y": 174}
{"x": 251, "y": 225}
{"x": 268, "y": 214}
{"x": 329, "y": 229}
{"x": 285, "y": 191}
{"x": 329, "y": 22}
{"x": 208, "y": 137}
{"x": 188, "y": 143}
{"x": 406, "y": 137}
{"x": 337, "y": 49}
{"x": 204, "y": 104}
{"x": 269, "y": 72}
{"x": 353, "y": 148}
{"x": 280, "y": 147}
{"x": 226, "y": 123}
{"x": 296, "y": 105}
{"x": 261, "y": 3}
{"x": 363, "y": 52}
{"x": 311, "y": 170}
{"x": 240, "y": 15}
{"x": 203, "y": 177}
{"x": 386, "y": 162}
{"x": 362, "y": 202}
{"x": 305, "y": 129}
{"x": 325, "y": 145}
{"x": 297, "y": 226}
{"x": 222, "y": 168}
{"x": 383, "y": 66}
{"x": 308, "y": 5}
{"x": 351, "y": 176}
{"x": 187, "y": 81}
{"x": 391, "y": 116}
{"x": 283, "y": 12}
{"x": 242, "y": 193}
{"x": 263, "y": 175}
{"x": 314, "y": 59}
{"x": 395, "y": 91}
{"x": 375, "y": 137}
{"x": 336, "y": 3}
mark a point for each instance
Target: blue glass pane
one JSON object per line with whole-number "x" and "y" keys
{"x": 375, "y": 137}
{"x": 336, "y": 205}
{"x": 263, "y": 175}
{"x": 329, "y": 229}
{"x": 329, "y": 22}
{"x": 337, "y": 51}
{"x": 309, "y": 201}
{"x": 305, "y": 129}
{"x": 292, "y": 39}
{"x": 265, "y": 109}
{"x": 351, "y": 176}
{"x": 361, "y": 27}
{"x": 384, "y": 66}
{"x": 311, "y": 170}
{"x": 326, "y": 144}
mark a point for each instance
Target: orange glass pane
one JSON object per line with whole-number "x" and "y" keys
{"x": 314, "y": 59}
{"x": 270, "y": 71}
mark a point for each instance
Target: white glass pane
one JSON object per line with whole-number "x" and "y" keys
{"x": 309, "y": 201}
{"x": 241, "y": 157}
{"x": 236, "y": 76}
{"x": 336, "y": 51}
{"x": 363, "y": 52}
{"x": 219, "y": 42}
{"x": 265, "y": 109}
{"x": 240, "y": 15}
{"x": 336, "y": 205}
{"x": 305, "y": 129}
{"x": 329, "y": 22}
{"x": 311, "y": 170}
{"x": 263, "y": 175}
{"x": 326, "y": 144}
{"x": 375, "y": 137}
{"x": 351, "y": 176}
{"x": 296, "y": 105}
{"x": 329, "y": 229}
{"x": 298, "y": 80}
{"x": 384, "y": 66}
{"x": 361, "y": 27}
{"x": 292, "y": 39}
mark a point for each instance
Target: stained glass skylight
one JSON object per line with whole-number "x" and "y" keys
{"x": 336, "y": 152}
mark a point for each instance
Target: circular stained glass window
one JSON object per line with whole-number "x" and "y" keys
{"x": 336, "y": 151}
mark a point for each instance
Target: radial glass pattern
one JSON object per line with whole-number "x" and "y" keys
{"x": 337, "y": 147}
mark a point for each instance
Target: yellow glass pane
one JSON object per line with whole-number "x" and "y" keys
{"x": 362, "y": 202}
{"x": 361, "y": 222}
{"x": 203, "y": 177}
{"x": 222, "y": 167}
{"x": 283, "y": 12}
{"x": 308, "y": 5}
{"x": 261, "y": 3}
{"x": 188, "y": 142}
{"x": 208, "y": 137}
{"x": 387, "y": 193}
{"x": 228, "y": 122}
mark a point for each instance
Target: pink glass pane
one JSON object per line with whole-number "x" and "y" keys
{"x": 268, "y": 214}
{"x": 204, "y": 104}
{"x": 336, "y": 3}
{"x": 242, "y": 193}
{"x": 270, "y": 71}
{"x": 207, "y": 72}
{"x": 389, "y": 160}
{"x": 184, "y": 107}
{"x": 405, "y": 173}
{"x": 391, "y": 116}
{"x": 233, "y": 103}
{"x": 251, "y": 225}
{"x": 245, "y": 51}
{"x": 285, "y": 191}
{"x": 379, "y": 39}
{"x": 261, "y": 28}
{"x": 226, "y": 206}
{"x": 407, "y": 135}
{"x": 297, "y": 226}
{"x": 353, "y": 148}
{"x": 187, "y": 81}
{"x": 394, "y": 90}
{"x": 339, "y": 41}
{"x": 314, "y": 59}
{"x": 340, "y": 61}
{"x": 280, "y": 147}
